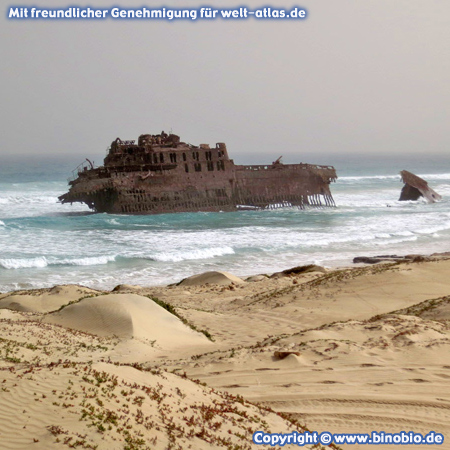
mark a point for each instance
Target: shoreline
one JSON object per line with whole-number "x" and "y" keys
{"x": 364, "y": 261}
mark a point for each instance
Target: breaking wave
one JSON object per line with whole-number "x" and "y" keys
{"x": 370, "y": 177}
{"x": 432, "y": 176}
{"x": 42, "y": 261}
{"x": 192, "y": 254}
{"x": 23, "y": 263}
{"x": 43, "y": 242}
{"x": 27, "y": 199}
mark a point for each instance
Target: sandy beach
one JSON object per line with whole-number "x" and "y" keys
{"x": 208, "y": 361}
{"x": 224, "y": 224}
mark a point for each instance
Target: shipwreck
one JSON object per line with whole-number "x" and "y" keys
{"x": 161, "y": 174}
{"x": 416, "y": 187}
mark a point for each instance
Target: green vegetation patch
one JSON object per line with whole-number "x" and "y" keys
{"x": 168, "y": 307}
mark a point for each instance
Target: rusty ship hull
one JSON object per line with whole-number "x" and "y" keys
{"x": 160, "y": 174}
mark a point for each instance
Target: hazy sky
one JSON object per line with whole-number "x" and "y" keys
{"x": 356, "y": 76}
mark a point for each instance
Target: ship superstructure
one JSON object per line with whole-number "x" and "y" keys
{"x": 161, "y": 174}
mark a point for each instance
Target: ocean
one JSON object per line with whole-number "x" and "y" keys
{"x": 43, "y": 243}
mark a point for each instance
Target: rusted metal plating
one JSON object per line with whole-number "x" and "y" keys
{"x": 416, "y": 187}
{"x": 160, "y": 174}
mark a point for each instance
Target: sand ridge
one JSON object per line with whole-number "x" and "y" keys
{"x": 214, "y": 277}
{"x": 350, "y": 350}
{"x": 107, "y": 406}
{"x": 45, "y": 300}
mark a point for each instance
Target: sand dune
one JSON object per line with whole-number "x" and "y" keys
{"x": 127, "y": 316}
{"x": 436, "y": 309}
{"x": 44, "y": 300}
{"x": 352, "y": 350}
{"x": 115, "y": 407}
{"x": 388, "y": 374}
{"x": 222, "y": 278}
{"x": 244, "y": 314}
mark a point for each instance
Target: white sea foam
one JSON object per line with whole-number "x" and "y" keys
{"x": 28, "y": 199}
{"x": 435, "y": 176}
{"x": 390, "y": 242}
{"x": 23, "y": 263}
{"x": 370, "y": 177}
{"x": 205, "y": 253}
{"x": 42, "y": 261}
{"x": 88, "y": 261}
{"x": 431, "y": 176}
{"x": 162, "y": 249}
{"x": 27, "y": 203}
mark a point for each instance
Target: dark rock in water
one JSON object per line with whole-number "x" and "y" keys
{"x": 413, "y": 256}
{"x": 377, "y": 259}
{"x": 298, "y": 270}
{"x": 420, "y": 258}
{"x": 304, "y": 269}
{"x": 389, "y": 258}
{"x": 441, "y": 254}
{"x": 366, "y": 260}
